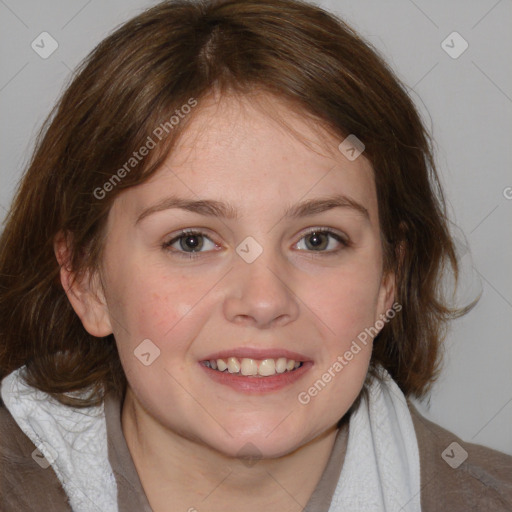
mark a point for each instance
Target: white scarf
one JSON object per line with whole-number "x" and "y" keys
{"x": 381, "y": 470}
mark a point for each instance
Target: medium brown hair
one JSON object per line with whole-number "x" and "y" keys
{"x": 131, "y": 83}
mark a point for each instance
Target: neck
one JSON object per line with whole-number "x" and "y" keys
{"x": 178, "y": 470}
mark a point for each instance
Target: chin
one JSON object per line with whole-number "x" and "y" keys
{"x": 252, "y": 450}
{"x": 257, "y": 444}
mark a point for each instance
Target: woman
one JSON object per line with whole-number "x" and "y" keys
{"x": 219, "y": 280}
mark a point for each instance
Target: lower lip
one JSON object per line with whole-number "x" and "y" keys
{"x": 257, "y": 385}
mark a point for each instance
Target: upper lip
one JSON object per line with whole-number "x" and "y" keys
{"x": 257, "y": 353}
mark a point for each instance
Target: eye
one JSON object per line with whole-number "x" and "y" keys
{"x": 320, "y": 239}
{"x": 189, "y": 242}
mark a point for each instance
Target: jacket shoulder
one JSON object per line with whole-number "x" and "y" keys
{"x": 460, "y": 476}
{"x": 27, "y": 482}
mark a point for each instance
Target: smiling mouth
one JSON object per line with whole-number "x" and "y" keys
{"x": 248, "y": 367}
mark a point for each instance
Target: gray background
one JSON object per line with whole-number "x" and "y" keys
{"x": 466, "y": 103}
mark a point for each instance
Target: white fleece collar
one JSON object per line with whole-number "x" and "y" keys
{"x": 381, "y": 470}
{"x": 73, "y": 441}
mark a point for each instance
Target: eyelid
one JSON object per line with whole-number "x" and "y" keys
{"x": 188, "y": 231}
{"x": 184, "y": 232}
{"x": 340, "y": 238}
{"x": 331, "y": 231}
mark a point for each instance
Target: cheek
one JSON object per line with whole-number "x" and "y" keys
{"x": 157, "y": 306}
{"x": 345, "y": 300}
{"x": 346, "y": 306}
{"x": 157, "y": 309}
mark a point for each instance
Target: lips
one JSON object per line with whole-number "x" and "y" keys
{"x": 252, "y": 370}
{"x": 257, "y": 353}
{"x": 257, "y": 385}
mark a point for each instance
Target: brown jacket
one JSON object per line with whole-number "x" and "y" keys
{"x": 483, "y": 482}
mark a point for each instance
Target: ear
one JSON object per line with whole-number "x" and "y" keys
{"x": 388, "y": 285}
{"x": 386, "y": 294}
{"x": 85, "y": 292}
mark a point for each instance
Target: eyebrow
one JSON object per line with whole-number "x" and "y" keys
{"x": 213, "y": 208}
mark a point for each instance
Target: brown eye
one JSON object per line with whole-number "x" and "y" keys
{"x": 318, "y": 240}
{"x": 192, "y": 242}
{"x": 187, "y": 243}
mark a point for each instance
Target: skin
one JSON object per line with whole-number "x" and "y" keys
{"x": 184, "y": 431}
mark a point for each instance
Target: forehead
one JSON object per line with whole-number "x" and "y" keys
{"x": 255, "y": 152}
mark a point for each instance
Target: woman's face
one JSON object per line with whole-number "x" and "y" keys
{"x": 254, "y": 284}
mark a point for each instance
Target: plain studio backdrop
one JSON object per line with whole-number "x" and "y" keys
{"x": 455, "y": 59}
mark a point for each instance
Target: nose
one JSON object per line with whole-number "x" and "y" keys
{"x": 260, "y": 294}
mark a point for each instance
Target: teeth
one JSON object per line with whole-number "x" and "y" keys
{"x": 233, "y": 365}
{"x": 281, "y": 365}
{"x": 248, "y": 366}
{"x": 221, "y": 365}
{"x": 267, "y": 367}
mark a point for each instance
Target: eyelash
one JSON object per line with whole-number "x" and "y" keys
{"x": 193, "y": 255}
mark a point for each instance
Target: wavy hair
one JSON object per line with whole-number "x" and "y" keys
{"x": 131, "y": 83}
